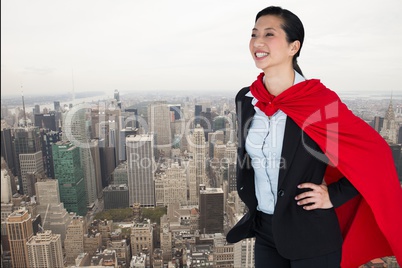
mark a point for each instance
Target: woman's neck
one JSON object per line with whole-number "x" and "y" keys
{"x": 278, "y": 81}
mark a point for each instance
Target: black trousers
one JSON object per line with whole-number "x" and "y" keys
{"x": 267, "y": 256}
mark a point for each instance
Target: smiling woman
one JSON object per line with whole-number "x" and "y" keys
{"x": 315, "y": 209}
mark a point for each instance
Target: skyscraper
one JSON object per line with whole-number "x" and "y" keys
{"x": 96, "y": 182}
{"x": 115, "y": 196}
{"x": 140, "y": 169}
{"x": 44, "y": 250}
{"x": 6, "y": 190}
{"x": 211, "y": 210}
{"x": 28, "y": 153}
{"x": 48, "y": 138}
{"x": 389, "y": 129}
{"x": 68, "y": 171}
{"x": 56, "y": 105}
{"x": 198, "y": 148}
{"x": 171, "y": 186}
{"x": 125, "y": 132}
{"x": 116, "y": 95}
{"x": 53, "y": 214}
{"x": 197, "y": 114}
{"x": 74, "y": 243}
{"x": 7, "y": 150}
{"x": 46, "y": 121}
{"x": 31, "y": 167}
{"x": 77, "y": 129}
{"x": 19, "y": 231}
{"x": 159, "y": 124}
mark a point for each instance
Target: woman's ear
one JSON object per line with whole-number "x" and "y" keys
{"x": 294, "y": 47}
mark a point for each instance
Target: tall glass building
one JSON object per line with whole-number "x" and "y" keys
{"x": 68, "y": 171}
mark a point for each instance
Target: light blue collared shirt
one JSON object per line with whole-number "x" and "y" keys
{"x": 264, "y": 145}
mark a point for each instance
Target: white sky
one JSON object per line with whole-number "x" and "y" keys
{"x": 189, "y": 45}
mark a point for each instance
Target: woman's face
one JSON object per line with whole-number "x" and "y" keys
{"x": 268, "y": 45}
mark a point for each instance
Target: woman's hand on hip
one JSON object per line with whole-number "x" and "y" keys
{"x": 316, "y": 198}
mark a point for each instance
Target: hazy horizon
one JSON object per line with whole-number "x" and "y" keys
{"x": 181, "y": 45}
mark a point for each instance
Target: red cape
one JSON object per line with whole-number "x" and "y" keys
{"x": 371, "y": 223}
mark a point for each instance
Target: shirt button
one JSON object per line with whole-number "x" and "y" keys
{"x": 281, "y": 192}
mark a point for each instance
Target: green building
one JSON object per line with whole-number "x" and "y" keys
{"x": 69, "y": 173}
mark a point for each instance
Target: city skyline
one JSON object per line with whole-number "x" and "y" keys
{"x": 203, "y": 46}
{"x": 195, "y": 180}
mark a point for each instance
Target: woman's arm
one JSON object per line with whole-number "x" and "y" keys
{"x": 341, "y": 191}
{"x": 323, "y": 196}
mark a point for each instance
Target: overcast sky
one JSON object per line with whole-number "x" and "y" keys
{"x": 162, "y": 45}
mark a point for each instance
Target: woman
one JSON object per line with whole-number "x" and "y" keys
{"x": 308, "y": 170}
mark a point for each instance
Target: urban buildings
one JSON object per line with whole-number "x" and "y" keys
{"x": 137, "y": 175}
{"x": 142, "y": 238}
{"x": 20, "y": 231}
{"x": 44, "y": 250}
{"x": 141, "y": 169}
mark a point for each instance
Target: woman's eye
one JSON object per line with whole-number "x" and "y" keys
{"x": 253, "y": 35}
{"x": 269, "y": 34}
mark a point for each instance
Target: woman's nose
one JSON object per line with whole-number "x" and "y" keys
{"x": 258, "y": 42}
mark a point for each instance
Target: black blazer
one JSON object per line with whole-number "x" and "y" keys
{"x": 298, "y": 233}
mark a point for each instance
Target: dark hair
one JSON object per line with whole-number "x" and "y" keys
{"x": 292, "y": 26}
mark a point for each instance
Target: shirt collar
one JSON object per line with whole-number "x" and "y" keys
{"x": 298, "y": 78}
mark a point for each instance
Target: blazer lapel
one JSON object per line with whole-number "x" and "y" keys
{"x": 246, "y": 112}
{"x": 291, "y": 138}
{"x": 291, "y": 141}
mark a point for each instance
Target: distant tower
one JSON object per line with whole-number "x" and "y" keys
{"x": 130, "y": 118}
{"x": 23, "y": 108}
{"x": 48, "y": 138}
{"x": 7, "y": 149}
{"x": 125, "y": 132}
{"x": 140, "y": 169}
{"x": 389, "y": 129}
{"x": 44, "y": 250}
{"x": 28, "y": 152}
{"x": 378, "y": 122}
{"x": 19, "y": 231}
{"x": 6, "y": 191}
{"x": 116, "y": 95}
{"x": 117, "y": 98}
{"x": 159, "y": 124}
{"x": 36, "y": 110}
{"x": 57, "y": 106}
{"x": 197, "y": 114}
